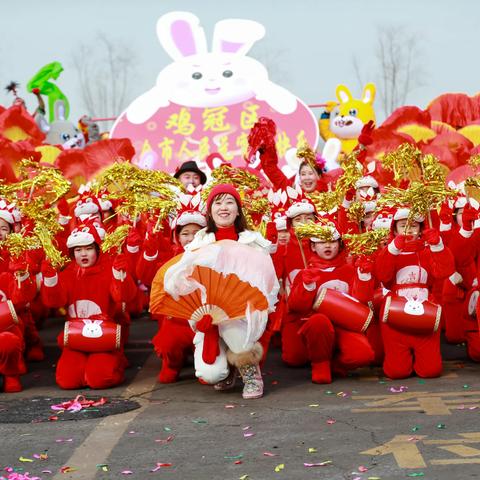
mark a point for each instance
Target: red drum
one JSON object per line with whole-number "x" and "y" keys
{"x": 92, "y": 336}
{"x": 8, "y": 316}
{"x": 343, "y": 310}
{"x": 411, "y": 316}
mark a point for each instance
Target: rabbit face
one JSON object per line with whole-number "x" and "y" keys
{"x": 414, "y": 307}
{"x": 345, "y": 123}
{"x": 92, "y": 329}
{"x": 65, "y": 134}
{"x": 210, "y": 80}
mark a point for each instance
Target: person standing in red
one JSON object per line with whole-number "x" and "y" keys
{"x": 89, "y": 287}
{"x": 408, "y": 267}
{"x": 308, "y": 336}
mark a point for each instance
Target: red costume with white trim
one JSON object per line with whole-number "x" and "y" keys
{"x": 410, "y": 273}
{"x": 311, "y": 337}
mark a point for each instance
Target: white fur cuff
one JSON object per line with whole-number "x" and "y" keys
{"x": 133, "y": 249}
{"x": 63, "y": 220}
{"x": 456, "y": 278}
{"x": 445, "y": 227}
{"x": 50, "y": 281}
{"x": 393, "y": 249}
{"x": 466, "y": 233}
{"x": 438, "y": 247}
{"x": 310, "y": 287}
{"x": 119, "y": 274}
{"x": 150, "y": 259}
{"x": 364, "y": 277}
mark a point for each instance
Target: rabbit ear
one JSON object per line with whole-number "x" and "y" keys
{"x": 236, "y": 36}
{"x": 196, "y": 200}
{"x": 42, "y": 123}
{"x": 181, "y": 35}
{"x": 291, "y": 192}
{"x": 184, "y": 199}
{"x": 368, "y": 95}
{"x": 59, "y": 109}
{"x": 343, "y": 94}
{"x": 87, "y": 322}
{"x": 270, "y": 196}
{"x": 283, "y": 197}
{"x": 330, "y": 152}
{"x": 97, "y": 322}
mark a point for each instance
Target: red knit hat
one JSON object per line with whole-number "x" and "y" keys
{"x": 222, "y": 189}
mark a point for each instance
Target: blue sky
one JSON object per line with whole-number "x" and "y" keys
{"x": 312, "y": 40}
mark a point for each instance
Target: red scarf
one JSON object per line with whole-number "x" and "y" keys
{"x": 227, "y": 233}
{"x": 322, "y": 264}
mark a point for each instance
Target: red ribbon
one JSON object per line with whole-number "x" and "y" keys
{"x": 211, "y": 349}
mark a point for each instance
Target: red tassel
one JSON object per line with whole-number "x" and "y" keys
{"x": 211, "y": 349}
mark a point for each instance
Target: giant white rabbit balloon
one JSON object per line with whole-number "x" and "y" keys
{"x": 207, "y": 101}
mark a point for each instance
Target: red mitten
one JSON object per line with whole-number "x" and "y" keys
{"x": 150, "y": 245}
{"x": 63, "y": 207}
{"x": 364, "y": 264}
{"x": 469, "y": 216}
{"x": 271, "y": 232}
{"x": 399, "y": 242}
{"x": 309, "y": 276}
{"x": 431, "y": 236}
{"x": 446, "y": 213}
{"x": 350, "y": 195}
{"x": 365, "y": 137}
{"x": 47, "y": 269}
{"x": 19, "y": 264}
{"x": 133, "y": 238}
{"x": 120, "y": 263}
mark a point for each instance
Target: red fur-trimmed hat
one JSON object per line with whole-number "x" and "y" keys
{"x": 222, "y": 189}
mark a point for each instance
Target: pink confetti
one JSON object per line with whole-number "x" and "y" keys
{"x": 269, "y": 454}
{"x": 248, "y": 435}
{"x": 161, "y": 465}
{"x": 331, "y": 421}
{"x": 362, "y": 469}
{"x": 473, "y": 408}
{"x": 166, "y": 440}
{"x": 246, "y": 428}
{"x": 400, "y": 389}
{"x": 61, "y": 440}
{"x": 229, "y": 406}
{"x": 127, "y": 472}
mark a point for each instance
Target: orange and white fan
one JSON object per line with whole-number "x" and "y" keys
{"x": 226, "y": 280}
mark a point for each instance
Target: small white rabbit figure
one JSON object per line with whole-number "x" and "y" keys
{"x": 199, "y": 78}
{"x": 414, "y": 307}
{"x": 92, "y": 329}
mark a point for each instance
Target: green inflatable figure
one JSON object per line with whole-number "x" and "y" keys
{"x": 41, "y": 81}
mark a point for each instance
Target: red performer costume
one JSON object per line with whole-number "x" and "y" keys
{"x": 18, "y": 288}
{"x": 408, "y": 267}
{"x": 89, "y": 287}
{"x": 312, "y": 337}
{"x": 174, "y": 339}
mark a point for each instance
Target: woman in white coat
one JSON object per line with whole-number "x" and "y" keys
{"x": 238, "y": 345}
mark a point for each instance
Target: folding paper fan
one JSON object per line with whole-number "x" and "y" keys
{"x": 226, "y": 280}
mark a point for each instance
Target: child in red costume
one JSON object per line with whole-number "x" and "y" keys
{"x": 413, "y": 260}
{"x": 17, "y": 287}
{"x": 311, "y": 337}
{"x": 89, "y": 287}
{"x": 174, "y": 339}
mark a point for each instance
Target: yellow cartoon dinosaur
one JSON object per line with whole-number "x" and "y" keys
{"x": 345, "y": 119}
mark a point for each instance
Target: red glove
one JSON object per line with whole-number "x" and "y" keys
{"x": 446, "y": 213}
{"x": 399, "y": 241}
{"x": 133, "y": 238}
{"x": 120, "y": 263}
{"x": 364, "y": 264}
{"x": 150, "y": 245}
{"x": 309, "y": 276}
{"x": 19, "y": 264}
{"x": 47, "y": 270}
{"x": 271, "y": 233}
{"x": 469, "y": 216}
{"x": 63, "y": 207}
{"x": 431, "y": 236}
{"x": 350, "y": 195}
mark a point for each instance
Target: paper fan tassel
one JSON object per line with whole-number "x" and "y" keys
{"x": 211, "y": 349}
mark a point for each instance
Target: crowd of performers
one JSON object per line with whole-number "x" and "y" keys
{"x": 337, "y": 309}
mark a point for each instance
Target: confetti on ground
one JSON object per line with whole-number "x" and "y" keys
{"x": 416, "y": 428}
{"x": 103, "y": 467}
{"x": 362, "y": 469}
{"x": 416, "y": 474}
{"x": 248, "y": 427}
{"x": 466, "y": 386}
{"x": 67, "y": 470}
{"x": 279, "y": 467}
{"x": 314, "y": 405}
{"x": 441, "y": 426}
{"x": 269, "y": 454}
{"x": 61, "y": 440}
{"x": 400, "y": 389}
{"x": 229, "y": 406}
{"x": 234, "y": 457}
{"x": 331, "y": 421}
{"x": 422, "y": 382}
{"x": 320, "y": 464}
{"x": 41, "y": 456}
{"x": 329, "y": 392}
{"x": 312, "y": 450}
{"x": 23, "y": 459}
{"x": 275, "y": 382}
{"x": 200, "y": 421}
{"x": 248, "y": 435}
{"x": 126, "y": 472}
{"x": 243, "y": 477}
{"x": 167, "y": 429}
{"x": 47, "y": 471}
{"x": 238, "y": 462}
{"x": 161, "y": 465}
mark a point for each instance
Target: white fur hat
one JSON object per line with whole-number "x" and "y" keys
{"x": 297, "y": 208}
{"x": 191, "y": 216}
{"x": 335, "y": 233}
{"x": 403, "y": 213}
{"x": 367, "y": 181}
{"x": 6, "y": 212}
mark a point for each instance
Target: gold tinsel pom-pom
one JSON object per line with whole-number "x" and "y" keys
{"x": 365, "y": 243}
{"x": 324, "y": 201}
{"x": 356, "y": 212}
{"x": 352, "y": 172}
{"x": 474, "y": 161}
{"x": 315, "y": 230}
{"x": 305, "y": 152}
{"x": 16, "y": 244}
{"x": 116, "y": 238}
{"x": 402, "y": 161}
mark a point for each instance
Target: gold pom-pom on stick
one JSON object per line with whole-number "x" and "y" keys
{"x": 324, "y": 201}
{"x": 352, "y": 172}
{"x": 17, "y": 244}
{"x": 305, "y": 152}
{"x": 356, "y": 212}
{"x": 402, "y": 161}
{"x": 51, "y": 252}
{"x": 314, "y": 230}
{"x": 115, "y": 239}
{"x": 366, "y": 243}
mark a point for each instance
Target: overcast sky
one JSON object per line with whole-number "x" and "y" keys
{"x": 313, "y": 41}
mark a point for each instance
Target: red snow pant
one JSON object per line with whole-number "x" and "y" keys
{"x": 314, "y": 339}
{"x": 473, "y": 339}
{"x": 95, "y": 370}
{"x": 453, "y": 311}
{"x": 172, "y": 343}
{"x": 11, "y": 354}
{"x": 406, "y": 353}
